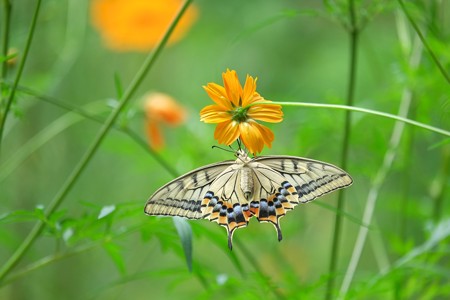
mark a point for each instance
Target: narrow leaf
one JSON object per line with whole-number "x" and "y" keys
{"x": 114, "y": 252}
{"x": 185, "y": 233}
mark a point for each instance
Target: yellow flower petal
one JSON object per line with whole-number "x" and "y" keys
{"x": 237, "y": 111}
{"x": 266, "y": 134}
{"x": 162, "y": 107}
{"x": 232, "y": 87}
{"x": 218, "y": 94}
{"x": 249, "y": 91}
{"x": 227, "y": 132}
{"x": 154, "y": 135}
{"x": 136, "y": 25}
{"x": 251, "y": 137}
{"x": 266, "y": 112}
{"x": 214, "y": 114}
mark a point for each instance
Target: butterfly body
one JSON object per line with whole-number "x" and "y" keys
{"x": 232, "y": 192}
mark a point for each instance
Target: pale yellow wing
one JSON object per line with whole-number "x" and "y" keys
{"x": 310, "y": 178}
{"x": 183, "y": 195}
{"x": 231, "y": 192}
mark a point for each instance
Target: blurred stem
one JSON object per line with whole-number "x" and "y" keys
{"x": 5, "y": 44}
{"x": 440, "y": 186}
{"x": 5, "y": 110}
{"x": 424, "y": 41}
{"x": 84, "y": 161}
{"x": 62, "y": 255}
{"x": 368, "y": 111}
{"x": 381, "y": 175}
{"x": 353, "y": 34}
{"x": 83, "y": 112}
{"x": 48, "y": 260}
{"x": 251, "y": 259}
{"x": 409, "y": 175}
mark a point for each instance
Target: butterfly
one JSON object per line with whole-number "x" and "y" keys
{"x": 232, "y": 192}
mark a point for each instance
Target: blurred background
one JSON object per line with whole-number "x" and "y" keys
{"x": 100, "y": 245}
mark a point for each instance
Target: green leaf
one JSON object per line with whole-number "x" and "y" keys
{"x": 19, "y": 216}
{"x": 114, "y": 252}
{"x": 118, "y": 85}
{"x": 185, "y": 233}
{"x": 7, "y": 57}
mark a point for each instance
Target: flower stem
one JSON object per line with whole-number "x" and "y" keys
{"x": 79, "y": 168}
{"x": 5, "y": 44}
{"x": 5, "y": 110}
{"x": 367, "y": 111}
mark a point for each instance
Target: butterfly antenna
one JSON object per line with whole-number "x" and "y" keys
{"x": 224, "y": 149}
{"x": 239, "y": 144}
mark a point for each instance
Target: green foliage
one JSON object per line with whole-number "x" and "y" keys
{"x": 93, "y": 241}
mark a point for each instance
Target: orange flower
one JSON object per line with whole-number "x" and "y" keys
{"x": 237, "y": 110}
{"x": 138, "y": 24}
{"x": 161, "y": 108}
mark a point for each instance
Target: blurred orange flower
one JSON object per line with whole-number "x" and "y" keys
{"x": 161, "y": 109}
{"x": 138, "y": 25}
{"x": 237, "y": 110}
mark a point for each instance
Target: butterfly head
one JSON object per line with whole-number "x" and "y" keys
{"x": 242, "y": 156}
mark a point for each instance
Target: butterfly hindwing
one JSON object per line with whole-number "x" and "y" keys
{"x": 245, "y": 190}
{"x": 225, "y": 202}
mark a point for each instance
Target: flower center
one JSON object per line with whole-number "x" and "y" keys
{"x": 239, "y": 114}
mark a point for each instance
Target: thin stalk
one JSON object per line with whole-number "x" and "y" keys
{"x": 47, "y": 261}
{"x": 424, "y": 41}
{"x": 251, "y": 259}
{"x": 367, "y": 111}
{"x": 82, "y": 112}
{"x": 79, "y": 168}
{"x": 10, "y": 98}
{"x": 62, "y": 255}
{"x": 380, "y": 177}
{"x": 354, "y": 34}
{"x": 5, "y": 43}
{"x": 441, "y": 184}
{"x": 409, "y": 175}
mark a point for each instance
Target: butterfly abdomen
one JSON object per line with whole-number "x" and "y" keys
{"x": 246, "y": 182}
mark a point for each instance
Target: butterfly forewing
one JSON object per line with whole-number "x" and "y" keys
{"x": 183, "y": 195}
{"x": 310, "y": 178}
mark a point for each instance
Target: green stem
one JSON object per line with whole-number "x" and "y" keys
{"x": 48, "y": 260}
{"x": 368, "y": 111}
{"x": 6, "y": 27}
{"x": 354, "y": 32}
{"x": 441, "y": 183}
{"x": 424, "y": 41}
{"x": 251, "y": 259}
{"x": 60, "y": 196}
{"x": 9, "y": 100}
{"x": 82, "y": 112}
{"x": 69, "y": 253}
